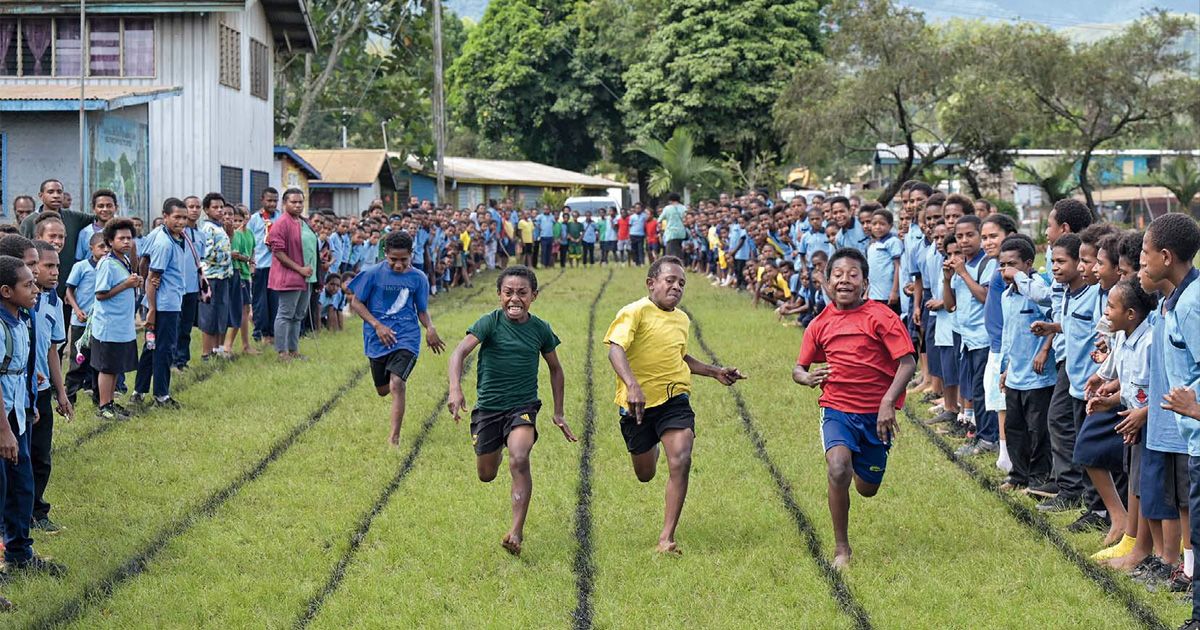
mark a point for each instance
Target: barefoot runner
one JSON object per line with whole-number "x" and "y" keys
{"x": 647, "y": 346}
{"x": 870, "y": 359}
{"x": 511, "y": 341}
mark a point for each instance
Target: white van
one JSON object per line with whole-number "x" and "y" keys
{"x": 596, "y": 204}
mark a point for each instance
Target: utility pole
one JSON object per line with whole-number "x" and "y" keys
{"x": 439, "y": 103}
{"x": 82, "y": 193}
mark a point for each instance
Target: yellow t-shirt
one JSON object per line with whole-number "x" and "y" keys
{"x": 779, "y": 283}
{"x": 465, "y": 238}
{"x": 655, "y": 342}
{"x": 525, "y": 226}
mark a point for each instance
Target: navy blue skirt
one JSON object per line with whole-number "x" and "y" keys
{"x": 1098, "y": 445}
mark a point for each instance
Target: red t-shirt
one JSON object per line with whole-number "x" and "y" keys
{"x": 652, "y": 231}
{"x": 285, "y": 237}
{"x": 863, "y": 347}
{"x": 623, "y": 229}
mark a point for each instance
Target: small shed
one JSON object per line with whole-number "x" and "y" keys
{"x": 292, "y": 171}
{"x": 350, "y": 179}
{"x": 471, "y": 181}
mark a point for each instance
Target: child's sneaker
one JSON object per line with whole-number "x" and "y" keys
{"x": 167, "y": 403}
{"x": 46, "y": 526}
{"x": 108, "y": 412}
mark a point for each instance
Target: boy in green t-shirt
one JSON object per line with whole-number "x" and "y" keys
{"x": 511, "y": 342}
{"x": 241, "y": 246}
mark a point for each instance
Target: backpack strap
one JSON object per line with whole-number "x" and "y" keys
{"x": 8, "y": 350}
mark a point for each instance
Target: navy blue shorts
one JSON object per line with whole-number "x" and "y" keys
{"x": 1164, "y": 484}
{"x": 237, "y": 298}
{"x": 1098, "y": 445}
{"x": 950, "y": 362}
{"x": 934, "y": 353}
{"x": 856, "y": 431}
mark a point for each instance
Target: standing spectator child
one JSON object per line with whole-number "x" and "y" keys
{"x": 964, "y": 293}
{"x": 81, "y": 296}
{"x": 114, "y": 338}
{"x": 241, "y": 246}
{"x": 883, "y": 259}
{"x": 51, "y": 391}
{"x": 217, "y": 268}
{"x": 392, "y": 298}
{"x": 166, "y": 250}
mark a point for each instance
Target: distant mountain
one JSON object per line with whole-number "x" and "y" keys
{"x": 472, "y": 9}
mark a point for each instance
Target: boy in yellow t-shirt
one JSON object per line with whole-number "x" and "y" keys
{"x": 647, "y": 346}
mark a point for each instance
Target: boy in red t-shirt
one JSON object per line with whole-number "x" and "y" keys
{"x": 870, "y": 358}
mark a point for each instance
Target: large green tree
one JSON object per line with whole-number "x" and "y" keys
{"x": 716, "y": 67}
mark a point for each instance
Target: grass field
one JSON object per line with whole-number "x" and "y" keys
{"x": 273, "y": 501}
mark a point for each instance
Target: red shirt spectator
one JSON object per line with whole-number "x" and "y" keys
{"x": 862, "y": 347}
{"x": 285, "y": 237}
{"x": 652, "y": 231}
{"x": 623, "y": 229}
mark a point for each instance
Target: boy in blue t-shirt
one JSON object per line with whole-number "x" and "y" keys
{"x": 51, "y": 393}
{"x": 81, "y": 295}
{"x": 169, "y": 257}
{"x": 391, "y": 297}
{"x": 883, "y": 260}
{"x": 964, "y": 293}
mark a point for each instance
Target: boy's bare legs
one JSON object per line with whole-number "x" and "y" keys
{"x": 1103, "y": 482}
{"x": 678, "y": 445}
{"x": 520, "y": 443}
{"x": 396, "y": 388}
{"x": 107, "y": 383}
{"x": 841, "y": 471}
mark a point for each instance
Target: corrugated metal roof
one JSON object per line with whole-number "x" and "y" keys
{"x": 30, "y": 97}
{"x": 345, "y": 166}
{"x": 512, "y": 172}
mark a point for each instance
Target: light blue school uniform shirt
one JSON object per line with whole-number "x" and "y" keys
{"x": 259, "y": 227}
{"x": 545, "y": 225}
{"x": 396, "y": 300}
{"x": 930, "y": 264}
{"x": 881, "y": 268}
{"x": 914, "y": 249}
{"x": 50, "y": 330}
{"x": 1133, "y": 365}
{"x": 167, "y": 258}
{"x": 83, "y": 279}
{"x": 814, "y": 242}
{"x": 337, "y": 300}
{"x": 112, "y": 319}
{"x": 1019, "y": 346}
{"x": 83, "y": 250}
{"x": 609, "y": 233}
{"x": 854, "y": 236}
{"x": 193, "y": 252}
{"x": 1182, "y": 351}
{"x": 420, "y": 242}
{"x": 637, "y": 224}
{"x": 1162, "y": 432}
{"x": 968, "y": 310}
{"x": 14, "y": 380}
{"x": 590, "y": 230}
{"x": 1079, "y": 336}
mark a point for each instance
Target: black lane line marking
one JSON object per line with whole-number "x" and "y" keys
{"x": 101, "y": 591}
{"x": 837, "y": 585}
{"x": 1041, "y": 526}
{"x": 585, "y": 568}
{"x": 108, "y": 425}
{"x": 551, "y": 280}
{"x": 313, "y": 607}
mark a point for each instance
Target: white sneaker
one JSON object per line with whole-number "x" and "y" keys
{"x": 936, "y": 410}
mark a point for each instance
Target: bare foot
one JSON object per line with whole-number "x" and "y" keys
{"x": 841, "y": 559}
{"x": 1114, "y": 534}
{"x": 511, "y": 544}
{"x": 250, "y": 350}
{"x": 1127, "y": 562}
{"x": 669, "y": 547}
{"x": 394, "y": 438}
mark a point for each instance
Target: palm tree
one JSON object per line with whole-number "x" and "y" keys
{"x": 1057, "y": 179}
{"x": 679, "y": 168}
{"x": 1182, "y": 178}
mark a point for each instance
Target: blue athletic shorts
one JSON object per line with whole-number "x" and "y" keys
{"x": 856, "y": 431}
{"x": 933, "y": 352}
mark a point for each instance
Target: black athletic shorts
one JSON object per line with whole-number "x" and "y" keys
{"x": 490, "y": 429}
{"x": 676, "y": 413}
{"x": 399, "y": 362}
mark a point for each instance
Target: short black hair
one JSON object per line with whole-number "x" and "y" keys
{"x": 1069, "y": 243}
{"x": 1096, "y": 232}
{"x": 10, "y": 267}
{"x": 1002, "y": 221}
{"x": 839, "y": 199}
{"x": 44, "y": 219}
{"x": 116, "y": 225}
{"x": 936, "y": 199}
{"x": 971, "y": 219}
{"x": 962, "y": 201}
{"x": 923, "y": 187}
{"x": 398, "y": 240}
{"x": 1111, "y": 246}
{"x": 170, "y": 204}
{"x": 659, "y": 263}
{"x": 1020, "y": 244}
{"x": 97, "y": 237}
{"x": 43, "y": 246}
{"x": 673, "y": 197}
{"x": 1135, "y": 297}
{"x": 820, "y": 253}
{"x": 269, "y": 190}
{"x": 1131, "y": 248}
{"x": 8, "y": 228}
{"x": 15, "y": 245}
{"x": 1177, "y": 233}
{"x": 211, "y": 197}
{"x": 1074, "y": 213}
{"x": 42, "y": 188}
{"x": 949, "y": 240}
{"x": 518, "y": 271}
{"x": 885, "y": 214}
{"x": 104, "y": 192}
{"x": 333, "y": 276}
{"x": 852, "y": 254}
{"x": 292, "y": 191}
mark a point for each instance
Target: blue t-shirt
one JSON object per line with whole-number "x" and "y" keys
{"x": 50, "y": 329}
{"x": 337, "y": 300}
{"x": 1182, "y": 315}
{"x": 589, "y": 232}
{"x": 1079, "y": 335}
{"x": 395, "y": 299}
{"x": 637, "y": 224}
{"x": 1162, "y": 432}
{"x": 112, "y": 319}
{"x": 166, "y": 257}
{"x": 968, "y": 310}
{"x": 193, "y": 252}
{"x": 15, "y": 381}
{"x": 881, "y": 270}
{"x": 420, "y": 242}
{"x": 812, "y": 243}
{"x": 545, "y": 225}
{"x": 83, "y": 279}
{"x": 993, "y": 312}
{"x": 854, "y": 236}
{"x": 259, "y": 227}
{"x": 1019, "y": 345}
{"x": 83, "y": 248}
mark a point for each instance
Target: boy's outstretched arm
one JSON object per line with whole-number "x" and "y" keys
{"x": 634, "y": 397}
{"x": 723, "y": 375}
{"x": 432, "y": 339}
{"x": 455, "y": 401}
{"x": 557, "y": 386}
{"x": 885, "y": 421}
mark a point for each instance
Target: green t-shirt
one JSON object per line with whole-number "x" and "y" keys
{"x": 672, "y": 221}
{"x": 308, "y": 240}
{"x": 508, "y": 359}
{"x": 575, "y": 229}
{"x": 242, "y": 242}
